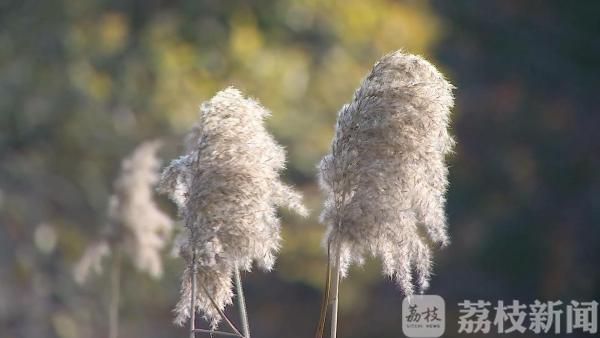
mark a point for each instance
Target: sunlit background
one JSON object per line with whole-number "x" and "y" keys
{"x": 82, "y": 82}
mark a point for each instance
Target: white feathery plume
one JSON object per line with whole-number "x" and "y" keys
{"x": 227, "y": 188}
{"x": 385, "y": 178}
{"x": 91, "y": 261}
{"x": 135, "y": 223}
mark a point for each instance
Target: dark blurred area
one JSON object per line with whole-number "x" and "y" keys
{"x": 83, "y": 82}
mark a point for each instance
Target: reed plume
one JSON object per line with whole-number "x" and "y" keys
{"x": 227, "y": 188}
{"x": 385, "y": 177}
{"x": 136, "y": 227}
{"x": 135, "y": 223}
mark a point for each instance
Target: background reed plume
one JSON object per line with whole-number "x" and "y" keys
{"x": 385, "y": 177}
{"x": 136, "y": 226}
{"x": 227, "y": 188}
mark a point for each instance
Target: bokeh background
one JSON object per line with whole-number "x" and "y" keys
{"x": 82, "y": 82}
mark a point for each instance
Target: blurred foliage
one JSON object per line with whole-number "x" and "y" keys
{"x": 82, "y": 82}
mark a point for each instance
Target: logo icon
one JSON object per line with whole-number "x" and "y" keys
{"x": 423, "y": 316}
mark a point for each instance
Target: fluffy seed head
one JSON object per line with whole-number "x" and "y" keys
{"x": 385, "y": 178}
{"x": 91, "y": 261}
{"x": 135, "y": 223}
{"x": 227, "y": 187}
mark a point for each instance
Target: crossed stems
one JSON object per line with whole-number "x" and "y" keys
{"x": 241, "y": 303}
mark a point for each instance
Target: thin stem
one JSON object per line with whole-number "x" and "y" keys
{"x": 221, "y": 313}
{"x": 115, "y": 294}
{"x": 193, "y": 296}
{"x": 335, "y": 293}
{"x": 325, "y": 300}
{"x": 211, "y": 332}
{"x": 241, "y": 303}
